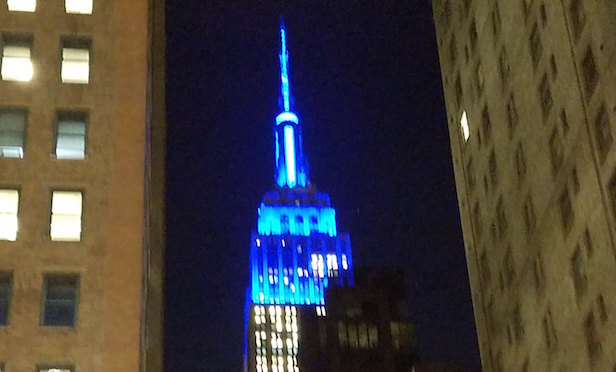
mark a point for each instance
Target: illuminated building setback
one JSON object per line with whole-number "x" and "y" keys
{"x": 296, "y": 252}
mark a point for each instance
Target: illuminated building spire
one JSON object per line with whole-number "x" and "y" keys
{"x": 291, "y": 166}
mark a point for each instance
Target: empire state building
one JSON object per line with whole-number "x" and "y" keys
{"x": 296, "y": 253}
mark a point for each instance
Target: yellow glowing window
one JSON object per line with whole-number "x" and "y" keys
{"x": 16, "y": 63}
{"x": 75, "y": 65}
{"x": 21, "y": 5}
{"x": 9, "y": 202}
{"x": 66, "y": 207}
{"x": 78, "y": 6}
{"x": 464, "y": 126}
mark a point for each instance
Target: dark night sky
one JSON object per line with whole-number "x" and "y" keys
{"x": 366, "y": 82}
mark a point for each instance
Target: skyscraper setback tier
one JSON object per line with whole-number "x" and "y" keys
{"x": 296, "y": 253}
{"x": 530, "y": 91}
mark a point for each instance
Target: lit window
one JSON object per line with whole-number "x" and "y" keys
{"x": 66, "y": 216}
{"x": 12, "y": 133}
{"x": 71, "y": 136}
{"x": 54, "y": 369}
{"x": 22, "y": 5}
{"x": 6, "y": 286}
{"x": 464, "y": 126}
{"x": 16, "y": 64}
{"x": 75, "y": 65}
{"x": 60, "y": 301}
{"x": 78, "y": 6}
{"x": 9, "y": 202}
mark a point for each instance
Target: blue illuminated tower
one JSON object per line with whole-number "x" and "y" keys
{"x": 295, "y": 253}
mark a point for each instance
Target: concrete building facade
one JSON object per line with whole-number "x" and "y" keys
{"x": 82, "y": 146}
{"x": 530, "y": 93}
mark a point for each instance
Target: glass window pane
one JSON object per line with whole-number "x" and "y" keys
{"x": 66, "y": 216}
{"x": 75, "y": 65}
{"x": 78, "y": 6}
{"x": 22, "y": 5}
{"x": 6, "y": 284}
{"x": 9, "y": 203}
{"x": 60, "y": 300}
{"x": 16, "y": 64}
{"x": 70, "y": 137}
{"x": 12, "y": 130}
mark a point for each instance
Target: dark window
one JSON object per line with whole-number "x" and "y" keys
{"x": 453, "y": 51}
{"x": 601, "y": 307}
{"x": 509, "y": 268}
{"x": 545, "y": 93}
{"x": 477, "y": 220}
{"x": 556, "y": 151}
{"x": 588, "y": 244}
{"x": 60, "y": 300}
{"x": 520, "y": 164}
{"x": 549, "y": 332}
{"x": 575, "y": 182}
{"x": 6, "y": 291}
{"x": 12, "y": 133}
{"x": 603, "y": 133}
{"x": 566, "y": 210}
{"x": 578, "y": 18}
{"x": 536, "y": 46}
{"x": 473, "y": 36}
{"x": 470, "y": 174}
{"x": 529, "y": 216}
{"x": 314, "y": 224}
{"x": 458, "y": 91}
{"x": 512, "y": 116}
{"x": 486, "y": 124}
{"x": 591, "y": 75}
{"x": 503, "y": 65}
{"x": 518, "y": 327}
{"x": 284, "y": 224}
{"x": 502, "y": 218}
{"x": 485, "y": 268}
{"x": 563, "y": 122}
{"x": 578, "y": 272}
{"x": 553, "y": 67}
{"x": 493, "y": 169}
{"x": 538, "y": 275}
{"x": 592, "y": 337}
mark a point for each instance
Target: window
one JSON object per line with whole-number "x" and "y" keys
{"x": 563, "y": 122}
{"x": 536, "y": 47}
{"x": 518, "y": 328}
{"x": 549, "y": 333}
{"x": 60, "y": 300}
{"x": 75, "y": 62}
{"x": 603, "y": 133}
{"x": 520, "y": 164}
{"x": 22, "y": 5}
{"x": 589, "y": 70}
{"x": 12, "y": 133}
{"x": 592, "y": 337}
{"x": 479, "y": 77}
{"x": 464, "y": 126}
{"x": 55, "y": 369}
{"x": 458, "y": 91}
{"x": 477, "y": 220}
{"x": 553, "y": 67}
{"x": 486, "y": 124}
{"x": 503, "y": 65}
{"x": 314, "y": 224}
{"x": 16, "y": 64}
{"x": 502, "y": 218}
{"x": 529, "y": 216}
{"x": 70, "y": 135}
{"x": 578, "y": 272}
{"x": 284, "y": 224}
{"x": 473, "y": 36}
{"x": 485, "y": 268}
{"x": 9, "y": 204}
{"x": 545, "y": 93}
{"x": 299, "y": 224}
{"x": 556, "y": 151}
{"x": 66, "y": 211}
{"x": 78, "y": 6}
{"x": 578, "y": 18}
{"x": 6, "y": 289}
{"x": 512, "y": 116}
{"x": 402, "y": 335}
{"x": 493, "y": 169}
{"x": 566, "y": 210}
